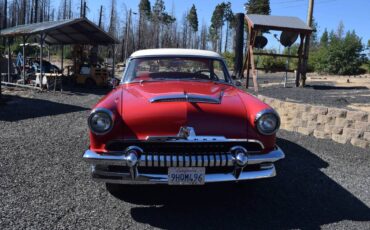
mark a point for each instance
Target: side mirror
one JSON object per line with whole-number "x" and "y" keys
{"x": 238, "y": 83}
{"x": 115, "y": 82}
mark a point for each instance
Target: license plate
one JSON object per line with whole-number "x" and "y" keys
{"x": 186, "y": 176}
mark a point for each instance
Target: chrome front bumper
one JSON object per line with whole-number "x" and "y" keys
{"x": 102, "y": 174}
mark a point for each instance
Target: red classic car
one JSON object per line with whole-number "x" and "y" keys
{"x": 177, "y": 118}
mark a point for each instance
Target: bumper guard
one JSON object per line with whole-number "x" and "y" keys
{"x": 267, "y": 168}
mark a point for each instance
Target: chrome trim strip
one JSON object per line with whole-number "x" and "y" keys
{"x": 270, "y": 157}
{"x": 125, "y": 178}
{"x": 188, "y": 97}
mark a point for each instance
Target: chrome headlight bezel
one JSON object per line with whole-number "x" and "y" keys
{"x": 260, "y": 115}
{"x": 106, "y": 112}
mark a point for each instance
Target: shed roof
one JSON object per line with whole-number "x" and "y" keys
{"x": 71, "y": 31}
{"x": 282, "y": 23}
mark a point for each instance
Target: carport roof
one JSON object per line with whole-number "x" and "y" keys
{"x": 71, "y": 31}
{"x": 282, "y": 23}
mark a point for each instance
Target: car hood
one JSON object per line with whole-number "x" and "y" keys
{"x": 162, "y": 108}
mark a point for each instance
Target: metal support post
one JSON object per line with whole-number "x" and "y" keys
{"x": 114, "y": 61}
{"x": 42, "y": 38}
{"x": 24, "y": 39}
{"x": 9, "y": 58}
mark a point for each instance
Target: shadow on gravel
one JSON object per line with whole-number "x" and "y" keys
{"x": 20, "y": 108}
{"x": 84, "y": 91}
{"x": 301, "y": 196}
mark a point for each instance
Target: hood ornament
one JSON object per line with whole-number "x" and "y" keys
{"x": 186, "y": 132}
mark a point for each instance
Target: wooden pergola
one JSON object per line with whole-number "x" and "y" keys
{"x": 259, "y": 23}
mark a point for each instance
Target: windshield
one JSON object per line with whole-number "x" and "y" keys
{"x": 175, "y": 68}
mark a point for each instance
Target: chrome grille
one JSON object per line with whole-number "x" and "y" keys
{"x": 183, "y": 148}
{"x": 199, "y": 160}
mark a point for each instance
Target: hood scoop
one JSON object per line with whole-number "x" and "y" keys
{"x": 193, "y": 98}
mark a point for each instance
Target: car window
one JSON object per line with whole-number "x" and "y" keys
{"x": 219, "y": 70}
{"x": 175, "y": 68}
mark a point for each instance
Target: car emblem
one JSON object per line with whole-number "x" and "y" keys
{"x": 186, "y": 132}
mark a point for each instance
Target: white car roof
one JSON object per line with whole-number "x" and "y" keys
{"x": 175, "y": 52}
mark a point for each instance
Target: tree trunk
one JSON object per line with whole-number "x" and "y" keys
{"x": 100, "y": 16}
{"x": 84, "y": 9}
{"x": 220, "y": 45}
{"x": 226, "y": 35}
{"x": 32, "y": 11}
{"x": 36, "y": 10}
{"x": 65, "y": 10}
{"x": 81, "y": 8}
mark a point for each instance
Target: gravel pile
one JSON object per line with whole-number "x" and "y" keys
{"x": 45, "y": 185}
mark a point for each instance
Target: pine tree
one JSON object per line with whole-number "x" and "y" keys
{"x": 228, "y": 17}
{"x": 324, "y": 38}
{"x": 258, "y": 7}
{"x": 217, "y": 21}
{"x": 340, "y": 30}
{"x": 144, "y": 15}
{"x": 113, "y": 20}
{"x": 203, "y": 37}
{"x": 157, "y": 11}
{"x": 144, "y": 8}
{"x": 314, "y": 39}
{"x": 192, "y": 19}
{"x": 160, "y": 18}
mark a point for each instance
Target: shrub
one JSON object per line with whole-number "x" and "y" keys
{"x": 229, "y": 58}
{"x": 340, "y": 55}
{"x": 271, "y": 64}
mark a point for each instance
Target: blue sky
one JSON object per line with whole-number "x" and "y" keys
{"x": 355, "y": 14}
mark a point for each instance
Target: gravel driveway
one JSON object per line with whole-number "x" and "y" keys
{"x": 45, "y": 185}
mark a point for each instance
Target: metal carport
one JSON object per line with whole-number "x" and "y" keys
{"x": 66, "y": 32}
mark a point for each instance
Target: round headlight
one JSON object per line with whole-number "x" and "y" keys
{"x": 267, "y": 122}
{"x": 100, "y": 121}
